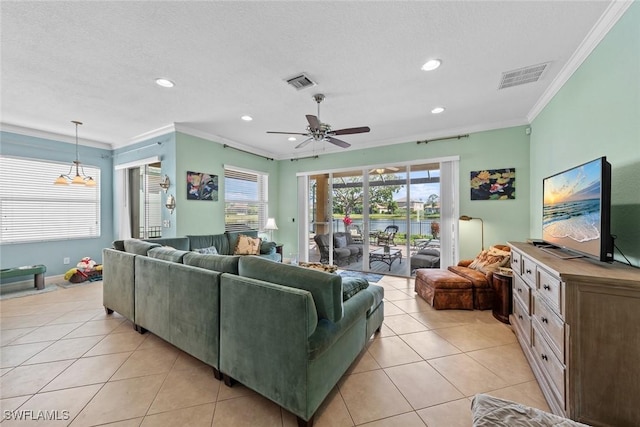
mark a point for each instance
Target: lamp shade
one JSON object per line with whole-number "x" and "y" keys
{"x": 271, "y": 224}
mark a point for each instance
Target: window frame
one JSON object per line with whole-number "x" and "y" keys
{"x": 46, "y": 212}
{"x": 261, "y": 201}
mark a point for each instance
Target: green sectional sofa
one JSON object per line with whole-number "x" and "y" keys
{"x": 285, "y": 331}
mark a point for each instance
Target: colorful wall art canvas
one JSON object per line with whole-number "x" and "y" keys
{"x": 493, "y": 184}
{"x": 202, "y": 186}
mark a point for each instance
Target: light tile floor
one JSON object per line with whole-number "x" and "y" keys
{"x": 61, "y": 352}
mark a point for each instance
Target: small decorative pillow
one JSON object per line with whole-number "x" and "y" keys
{"x": 490, "y": 260}
{"x": 353, "y": 285}
{"x": 211, "y": 250}
{"x": 247, "y": 245}
{"x": 340, "y": 241}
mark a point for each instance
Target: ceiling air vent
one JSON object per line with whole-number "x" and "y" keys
{"x": 301, "y": 82}
{"x": 522, "y": 76}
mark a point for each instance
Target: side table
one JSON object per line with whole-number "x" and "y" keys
{"x": 502, "y": 305}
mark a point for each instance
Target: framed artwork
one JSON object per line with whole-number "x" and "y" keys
{"x": 493, "y": 184}
{"x": 202, "y": 186}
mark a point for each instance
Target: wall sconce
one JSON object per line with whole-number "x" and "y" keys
{"x": 468, "y": 218}
{"x": 170, "y": 203}
{"x": 165, "y": 183}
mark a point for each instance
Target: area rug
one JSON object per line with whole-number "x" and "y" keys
{"x": 27, "y": 292}
{"x": 371, "y": 278}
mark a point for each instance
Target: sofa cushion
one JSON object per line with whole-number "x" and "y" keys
{"x": 326, "y": 288}
{"x": 138, "y": 247}
{"x": 267, "y": 247}
{"x": 221, "y": 263}
{"x": 211, "y": 250}
{"x": 166, "y": 253}
{"x": 232, "y": 238}
{"x": 490, "y": 260}
{"x": 201, "y": 241}
{"x": 378, "y": 296}
{"x": 118, "y": 245}
{"x": 247, "y": 245}
{"x": 181, "y": 243}
{"x": 353, "y": 285}
{"x": 340, "y": 241}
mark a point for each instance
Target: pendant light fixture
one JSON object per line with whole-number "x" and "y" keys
{"x": 78, "y": 178}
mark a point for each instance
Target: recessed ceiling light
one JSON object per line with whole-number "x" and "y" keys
{"x": 437, "y": 110}
{"x": 431, "y": 65}
{"x": 247, "y": 118}
{"x": 165, "y": 83}
{"x": 292, "y": 138}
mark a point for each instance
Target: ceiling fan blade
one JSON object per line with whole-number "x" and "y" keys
{"x": 303, "y": 143}
{"x": 349, "y": 131}
{"x": 338, "y": 142}
{"x": 288, "y": 133}
{"x": 314, "y": 123}
{"x": 391, "y": 168}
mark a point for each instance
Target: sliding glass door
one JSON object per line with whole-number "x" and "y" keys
{"x": 384, "y": 219}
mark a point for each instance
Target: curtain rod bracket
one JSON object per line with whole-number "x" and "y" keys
{"x": 248, "y": 152}
{"x": 426, "y": 141}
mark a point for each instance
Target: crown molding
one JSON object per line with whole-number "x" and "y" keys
{"x": 608, "y": 19}
{"x": 222, "y": 140}
{"x": 161, "y": 131}
{"x": 44, "y": 134}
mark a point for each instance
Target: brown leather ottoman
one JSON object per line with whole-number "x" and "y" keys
{"x": 443, "y": 289}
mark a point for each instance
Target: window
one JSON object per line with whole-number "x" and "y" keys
{"x": 33, "y": 209}
{"x": 246, "y": 199}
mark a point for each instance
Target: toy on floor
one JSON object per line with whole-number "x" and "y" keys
{"x": 86, "y": 269}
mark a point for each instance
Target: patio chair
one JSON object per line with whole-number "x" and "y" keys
{"x": 386, "y": 238}
{"x": 356, "y": 233}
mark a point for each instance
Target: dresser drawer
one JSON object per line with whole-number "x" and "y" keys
{"x": 522, "y": 319}
{"x": 522, "y": 291}
{"x": 550, "y": 324}
{"x": 552, "y": 368}
{"x": 529, "y": 271}
{"x": 516, "y": 262}
{"x": 551, "y": 288}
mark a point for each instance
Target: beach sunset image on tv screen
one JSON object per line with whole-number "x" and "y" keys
{"x": 571, "y": 208}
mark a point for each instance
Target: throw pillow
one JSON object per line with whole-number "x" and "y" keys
{"x": 340, "y": 241}
{"x": 490, "y": 260}
{"x": 247, "y": 245}
{"x": 211, "y": 250}
{"x": 353, "y": 285}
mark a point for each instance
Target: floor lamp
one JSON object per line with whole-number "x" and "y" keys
{"x": 468, "y": 218}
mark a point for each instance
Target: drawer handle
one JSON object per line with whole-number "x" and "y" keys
{"x": 520, "y": 316}
{"x": 547, "y": 287}
{"x": 528, "y": 271}
{"x": 544, "y": 356}
{"x": 519, "y": 289}
{"x": 544, "y": 320}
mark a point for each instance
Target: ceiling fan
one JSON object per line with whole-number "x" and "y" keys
{"x": 318, "y": 131}
{"x": 380, "y": 171}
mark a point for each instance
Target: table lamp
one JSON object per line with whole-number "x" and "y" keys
{"x": 270, "y": 226}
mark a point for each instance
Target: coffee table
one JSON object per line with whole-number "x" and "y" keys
{"x": 386, "y": 256}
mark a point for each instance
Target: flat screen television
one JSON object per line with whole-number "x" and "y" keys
{"x": 576, "y": 210}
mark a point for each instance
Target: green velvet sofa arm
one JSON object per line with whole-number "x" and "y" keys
{"x": 118, "y": 269}
{"x": 180, "y": 304}
{"x": 272, "y": 341}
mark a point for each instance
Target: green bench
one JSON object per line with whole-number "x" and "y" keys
{"x": 36, "y": 270}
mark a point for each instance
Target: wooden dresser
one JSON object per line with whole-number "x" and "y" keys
{"x": 578, "y": 323}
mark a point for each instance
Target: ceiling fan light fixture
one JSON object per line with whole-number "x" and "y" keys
{"x": 246, "y": 118}
{"x": 437, "y": 110}
{"x": 164, "y": 82}
{"x": 431, "y": 65}
{"x": 291, "y": 138}
{"x": 380, "y": 171}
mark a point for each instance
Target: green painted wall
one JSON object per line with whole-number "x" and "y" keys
{"x": 597, "y": 113}
{"x": 201, "y": 155}
{"x": 504, "y": 148}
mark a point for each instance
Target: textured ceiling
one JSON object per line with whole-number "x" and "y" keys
{"x": 97, "y": 61}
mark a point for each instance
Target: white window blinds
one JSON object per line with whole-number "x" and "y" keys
{"x": 246, "y": 199}
{"x": 33, "y": 209}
